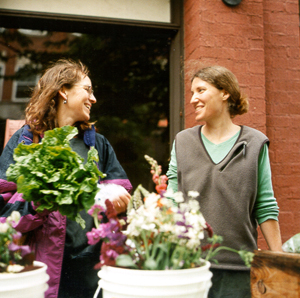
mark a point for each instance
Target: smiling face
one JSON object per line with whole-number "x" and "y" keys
{"x": 209, "y": 103}
{"x": 79, "y": 100}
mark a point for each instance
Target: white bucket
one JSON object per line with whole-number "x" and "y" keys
{"x": 129, "y": 283}
{"x": 29, "y": 284}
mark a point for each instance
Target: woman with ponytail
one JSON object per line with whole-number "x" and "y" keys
{"x": 229, "y": 166}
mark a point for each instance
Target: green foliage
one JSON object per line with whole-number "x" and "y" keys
{"x": 53, "y": 176}
{"x": 292, "y": 245}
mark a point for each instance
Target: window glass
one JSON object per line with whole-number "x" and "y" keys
{"x": 130, "y": 76}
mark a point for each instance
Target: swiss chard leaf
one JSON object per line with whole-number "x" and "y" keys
{"x": 53, "y": 176}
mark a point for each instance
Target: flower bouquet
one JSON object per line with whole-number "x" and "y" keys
{"x": 18, "y": 270}
{"x": 13, "y": 257}
{"x": 161, "y": 232}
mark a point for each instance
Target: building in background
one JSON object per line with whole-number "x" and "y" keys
{"x": 256, "y": 39}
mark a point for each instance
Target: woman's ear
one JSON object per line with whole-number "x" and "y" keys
{"x": 226, "y": 95}
{"x": 63, "y": 93}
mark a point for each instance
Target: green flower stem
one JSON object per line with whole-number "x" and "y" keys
{"x": 155, "y": 245}
{"x": 145, "y": 240}
{"x": 96, "y": 221}
{"x": 212, "y": 252}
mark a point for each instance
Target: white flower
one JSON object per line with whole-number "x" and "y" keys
{"x": 166, "y": 202}
{"x": 178, "y": 197}
{"x": 193, "y": 243}
{"x": 148, "y": 227}
{"x": 3, "y": 227}
{"x": 168, "y": 227}
{"x": 184, "y": 207}
{"x": 151, "y": 200}
{"x": 194, "y": 205}
{"x": 14, "y": 268}
{"x": 193, "y": 194}
{"x": 14, "y": 217}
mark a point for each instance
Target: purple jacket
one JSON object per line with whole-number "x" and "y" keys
{"x": 50, "y": 228}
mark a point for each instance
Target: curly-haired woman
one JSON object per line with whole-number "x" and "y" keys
{"x": 62, "y": 96}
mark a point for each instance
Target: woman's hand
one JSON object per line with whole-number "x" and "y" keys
{"x": 120, "y": 202}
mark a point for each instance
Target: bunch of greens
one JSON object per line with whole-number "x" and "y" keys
{"x": 53, "y": 176}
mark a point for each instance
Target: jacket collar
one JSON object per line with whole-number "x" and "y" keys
{"x": 89, "y": 136}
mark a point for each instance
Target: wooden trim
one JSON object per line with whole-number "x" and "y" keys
{"x": 7, "y": 14}
{"x": 176, "y": 73}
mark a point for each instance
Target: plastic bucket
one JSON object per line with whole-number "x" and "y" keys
{"x": 30, "y": 284}
{"x": 128, "y": 283}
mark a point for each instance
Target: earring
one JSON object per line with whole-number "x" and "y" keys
{"x": 65, "y": 101}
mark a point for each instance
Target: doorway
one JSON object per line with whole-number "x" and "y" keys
{"x": 130, "y": 71}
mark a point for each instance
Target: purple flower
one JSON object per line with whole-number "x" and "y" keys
{"x": 183, "y": 224}
{"x": 95, "y": 210}
{"x": 106, "y": 229}
{"x": 93, "y": 236}
{"x": 117, "y": 239}
{"x": 24, "y": 249}
{"x": 16, "y": 236}
{"x": 112, "y": 254}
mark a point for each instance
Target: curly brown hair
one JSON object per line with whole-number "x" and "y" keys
{"x": 223, "y": 79}
{"x": 41, "y": 111}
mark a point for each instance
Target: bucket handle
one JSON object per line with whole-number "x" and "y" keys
{"x": 98, "y": 289}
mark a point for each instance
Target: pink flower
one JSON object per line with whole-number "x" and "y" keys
{"x": 24, "y": 249}
{"x": 94, "y": 236}
{"x": 17, "y": 236}
{"x": 95, "y": 211}
{"x": 112, "y": 254}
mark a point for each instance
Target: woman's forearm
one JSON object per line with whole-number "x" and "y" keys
{"x": 271, "y": 232}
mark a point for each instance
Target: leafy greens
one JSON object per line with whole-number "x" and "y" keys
{"x": 53, "y": 176}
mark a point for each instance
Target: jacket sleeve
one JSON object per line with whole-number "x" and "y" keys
{"x": 109, "y": 164}
{"x": 10, "y": 199}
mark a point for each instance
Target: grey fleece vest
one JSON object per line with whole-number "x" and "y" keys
{"x": 227, "y": 190}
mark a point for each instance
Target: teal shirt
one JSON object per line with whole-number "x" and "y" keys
{"x": 265, "y": 206}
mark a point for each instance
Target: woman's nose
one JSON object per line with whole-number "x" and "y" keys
{"x": 194, "y": 99}
{"x": 93, "y": 98}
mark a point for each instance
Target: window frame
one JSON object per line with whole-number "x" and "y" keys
{"x": 17, "y": 83}
{"x": 2, "y": 73}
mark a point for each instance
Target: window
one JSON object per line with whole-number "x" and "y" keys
{"x": 23, "y": 86}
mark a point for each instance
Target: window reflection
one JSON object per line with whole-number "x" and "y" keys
{"x": 130, "y": 75}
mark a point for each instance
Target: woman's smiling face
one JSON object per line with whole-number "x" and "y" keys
{"x": 79, "y": 100}
{"x": 209, "y": 102}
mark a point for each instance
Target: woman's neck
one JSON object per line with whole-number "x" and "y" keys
{"x": 220, "y": 132}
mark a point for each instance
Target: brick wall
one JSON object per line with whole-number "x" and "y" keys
{"x": 258, "y": 41}
{"x": 281, "y": 22}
